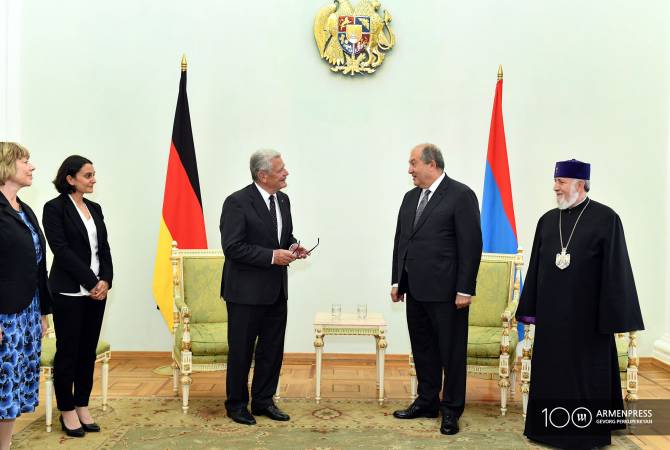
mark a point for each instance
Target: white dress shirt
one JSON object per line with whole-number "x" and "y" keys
{"x": 92, "y": 232}
{"x": 266, "y": 198}
{"x": 432, "y": 188}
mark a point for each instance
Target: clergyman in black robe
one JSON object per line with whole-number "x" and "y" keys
{"x": 577, "y": 305}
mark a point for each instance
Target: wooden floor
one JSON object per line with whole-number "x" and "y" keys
{"x": 134, "y": 374}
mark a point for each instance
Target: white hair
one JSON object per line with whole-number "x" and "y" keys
{"x": 573, "y": 195}
{"x": 261, "y": 160}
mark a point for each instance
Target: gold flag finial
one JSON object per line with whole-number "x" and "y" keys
{"x": 500, "y": 73}
{"x": 184, "y": 65}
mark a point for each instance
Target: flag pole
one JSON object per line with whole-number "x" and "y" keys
{"x": 184, "y": 65}
{"x": 500, "y": 71}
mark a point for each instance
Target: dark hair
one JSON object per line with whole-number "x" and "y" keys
{"x": 70, "y": 166}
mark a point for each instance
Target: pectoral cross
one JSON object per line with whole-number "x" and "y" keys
{"x": 562, "y": 259}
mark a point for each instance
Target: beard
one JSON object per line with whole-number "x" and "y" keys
{"x": 565, "y": 203}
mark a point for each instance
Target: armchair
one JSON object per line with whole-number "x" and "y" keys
{"x": 492, "y": 333}
{"x": 103, "y": 354}
{"x": 200, "y": 326}
{"x": 627, "y": 358}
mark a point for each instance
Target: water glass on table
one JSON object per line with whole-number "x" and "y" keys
{"x": 336, "y": 311}
{"x": 362, "y": 311}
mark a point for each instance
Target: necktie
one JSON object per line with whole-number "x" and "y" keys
{"x": 422, "y": 206}
{"x": 273, "y": 212}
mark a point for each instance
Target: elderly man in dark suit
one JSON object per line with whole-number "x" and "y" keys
{"x": 436, "y": 254}
{"x": 258, "y": 244}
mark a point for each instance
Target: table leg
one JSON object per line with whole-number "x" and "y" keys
{"x": 377, "y": 363}
{"x": 318, "y": 349}
{"x": 381, "y": 352}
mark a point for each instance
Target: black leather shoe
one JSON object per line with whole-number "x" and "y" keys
{"x": 242, "y": 416}
{"x": 414, "y": 412}
{"x": 449, "y": 424}
{"x": 76, "y": 432}
{"x": 90, "y": 427}
{"x": 272, "y": 412}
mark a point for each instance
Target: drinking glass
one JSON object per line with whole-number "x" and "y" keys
{"x": 336, "y": 310}
{"x": 362, "y": 310}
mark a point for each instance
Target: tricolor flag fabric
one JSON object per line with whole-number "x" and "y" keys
{"x": 498, "y": 224}
{"x": 182, "y": 219}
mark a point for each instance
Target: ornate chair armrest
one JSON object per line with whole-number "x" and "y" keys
{"x": 181, "y": 307}
{"x": 185, "y": 321}
{"x": 507, "y": 317}
{"x": 528, "y": 339}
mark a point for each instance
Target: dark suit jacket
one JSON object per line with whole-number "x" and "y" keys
{"x": 442, "y": 253}
{"x": 68, "y": 240}
{"x": 20, "y": 274}
{"x": 248, "y": 238}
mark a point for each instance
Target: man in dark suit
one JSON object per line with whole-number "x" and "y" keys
{"x": 436, "y": 254}
{"x": 258, "y": 244}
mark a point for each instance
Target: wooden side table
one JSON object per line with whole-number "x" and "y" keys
{"x": 351, "y": 325}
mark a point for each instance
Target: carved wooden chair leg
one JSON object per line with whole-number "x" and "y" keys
{"x": 276, "y": 397}
{"x": 413, "y": 382}
{"x": 503, "y": 382}
{"x": 526, "y": 367}
{"x": 186, "y": 381}
{"x": 175, "y": 378}
{"x": 632, "y": 369}
{"x": 512, "y": 387}
{"x": 105, "y": 381}
{"x": 49, "y": 386}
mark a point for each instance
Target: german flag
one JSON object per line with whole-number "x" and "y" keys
{"x": 182, "y": 219}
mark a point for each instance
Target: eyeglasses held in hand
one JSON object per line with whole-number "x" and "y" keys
{"x": 297, "y": 246}
{"x": 308, "y": 251}
{"x": 311, "y": 249}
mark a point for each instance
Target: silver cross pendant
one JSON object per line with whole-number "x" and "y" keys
{"x": 562, "y": 259}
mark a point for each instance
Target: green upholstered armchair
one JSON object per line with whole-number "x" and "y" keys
{"x": 103, "y": 354}
{"x": 626, "y": 347}
{"x": 200, "y": 319}
{"x": 492, "y": 333}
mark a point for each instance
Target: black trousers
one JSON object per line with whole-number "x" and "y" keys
{"x": 246, "y": 324}
{"x": 77, "y": 321}
{"x": 438, "y": 334}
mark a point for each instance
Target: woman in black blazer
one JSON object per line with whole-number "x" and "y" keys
{"x": 24, "y": 295}
{"x": 81, "y": 274}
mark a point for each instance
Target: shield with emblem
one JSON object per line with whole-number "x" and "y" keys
{"x": 354, "y": 34}
{"x": 353, "y": 39}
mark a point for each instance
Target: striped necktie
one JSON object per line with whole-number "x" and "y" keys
{"x": 273, "y": 212}
{"x": 422, "y": 206}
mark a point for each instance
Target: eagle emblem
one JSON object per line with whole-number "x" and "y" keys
{"x": 353, "y": 40}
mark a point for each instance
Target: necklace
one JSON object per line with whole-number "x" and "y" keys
{"x": 563, "y": 258}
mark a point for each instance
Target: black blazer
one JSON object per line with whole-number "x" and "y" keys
{"x": 68, "y": 240}
{"x": 20, "y": 275}
{"x": 442, "y": 254}
{"x": 248, "y": 238}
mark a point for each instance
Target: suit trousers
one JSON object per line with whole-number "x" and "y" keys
{"x": 439, "y": 337}
{"x": 265, "y": 327}
{"x": 77, "y": 321}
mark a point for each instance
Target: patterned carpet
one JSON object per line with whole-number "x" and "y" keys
{"x": 158, "y": 423}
